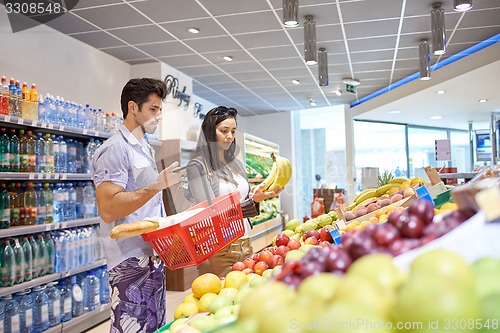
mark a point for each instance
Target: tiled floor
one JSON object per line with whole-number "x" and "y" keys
{"x": 174, "y": 298}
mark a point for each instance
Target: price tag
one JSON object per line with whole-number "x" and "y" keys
{"x": 50, "y": 126}
{"x": 340, "y": 224}
{"x": 7, "y": 119}
{"x": 63, "y": 176}
{"x": 61, "y": 128}
{"x": 97, "y": 133}
{"x": 20, "y": 121}
{"x": 423, "y": 193}
{"x": 85, "y": 131}
{"x": 43, "y": 125}
{"x": 31, "y": 176}
{"x": 337, "y": 239}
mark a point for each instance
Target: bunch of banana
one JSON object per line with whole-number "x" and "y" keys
{"x": 279, "y": 175}
{"x": 366, "y": 194}
{"x": 398, "y": 180}
{"x": 384, "y": 188}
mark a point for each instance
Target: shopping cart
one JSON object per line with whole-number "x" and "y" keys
{"x": 199, "y": 237}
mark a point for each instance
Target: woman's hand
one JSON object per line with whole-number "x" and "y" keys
{"x": 258, "y": 195}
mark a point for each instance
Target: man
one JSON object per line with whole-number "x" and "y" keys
{"x": 320, "y": 183}
{"x": 128, "y": 189}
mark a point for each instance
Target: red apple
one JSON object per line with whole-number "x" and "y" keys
{"x": 311, "y": 240}
{"x": 293, "y": 244}
{"x": 238, "y": 266}
{"x": 255, "y": 257}
{"x": 311, "y": 233}
{"x": 265, "y": 255}
{"x": 282, "y": 239}
{"x": 324, "y": 234}
{"x": 275, "y": 260}
{"x": 249, "y": 263}
{"x": 282, "y": 250}
{"x": 325, "y": 243}
{"x": 413, "y": 227}
{"x": 261, "y": 266}
{"x": 272, "y": 249}
{"x": 248, "y": 271}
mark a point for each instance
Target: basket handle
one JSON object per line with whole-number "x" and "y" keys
{"x": 201, "y": 169}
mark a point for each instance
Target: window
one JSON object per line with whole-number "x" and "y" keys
{"x": 421, "y": 143}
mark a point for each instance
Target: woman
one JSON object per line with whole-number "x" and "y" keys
{"x": 225, "y": 174}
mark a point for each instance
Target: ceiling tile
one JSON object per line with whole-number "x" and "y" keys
{"x": 69, "y": 23}
{"x": 165, "y": 49}
{"x": 207, "y": 26}
{"x": 238, "y": 56}
{"x": 267, "y": 83}
{"x": 201, "y": 70}
{"x": 263, "y": 39}
{"x": 98, "y": 39}
{"x": 172, "y": 10}
{"x": 250, "y": 22}
{"x": 251, "y": 76}
{"x": 360, "y": 76}
{"x": 217, "y": 78}
{"x": 357, "y": 57}
{"x": 226, "y": 86}
{"x": 142, "y": 35}
{"x": 283, "y": 63}
{"x": 273, "y": 52}
{"x": 372, "y": 29}
{"x": 213, "y": 44}
{"x": 223, "y": 7}
{"x": 355, "y": 11}
{"x": 323, "y": 13}
{"x": 141, "y": 61}
{"x": 184, "y": 61}
{"x": 116, "y": 16}
{"x": 372, "y": 66}
{"x": 249, "y": 66}
{"x": 334, "y": 49}
{"x": 324, "y": 33}
{"x": 421, "y": 25}
{"x": 377, "y": 43}
{"x": 408, "y": 52}
{"x": 286, "y": 73}
{"x": 125, "y": 53}
{"x": 474, "y": 35}
{"x": 92, "y": 3}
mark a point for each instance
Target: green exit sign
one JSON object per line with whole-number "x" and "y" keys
{"x": 350, "y": 88}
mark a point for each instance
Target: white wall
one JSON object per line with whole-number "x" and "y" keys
{"x": 266, "y": 127}
{"x": 61, "y": 65}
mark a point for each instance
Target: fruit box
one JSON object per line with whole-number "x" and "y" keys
{"x": 473, "y": 239}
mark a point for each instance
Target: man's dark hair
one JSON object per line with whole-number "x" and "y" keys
{"x": 138, "y": 90}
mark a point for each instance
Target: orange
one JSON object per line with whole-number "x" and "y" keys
{"x": 206, "y": 283}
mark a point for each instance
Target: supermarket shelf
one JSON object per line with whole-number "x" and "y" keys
{"x": 55, "y": 329}
{"x": 44, "y": 176}
{"x": 88, "y": 319}
{"x": 31, "y": 229}
{"x": 49, "y": 278}
{"x": 53, "y": 128}
{"x": 465, "y": 175}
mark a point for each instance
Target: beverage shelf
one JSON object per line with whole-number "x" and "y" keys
{"x": 31, "y": 229}
{"x": 88, "y": 319}
{"x": 55, "y": 329}
{"x": 44, "y": 176}
{"x": 49, "y": 278}
{"x": 53, "y": 128}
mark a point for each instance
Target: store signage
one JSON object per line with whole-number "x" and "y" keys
{"x": 173, "y": 89}
{"x": 443, "y": 150}
{"x": 350, "y": 88}
{"x": 198, "y": 111}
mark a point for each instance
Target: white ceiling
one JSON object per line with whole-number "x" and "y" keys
{"x": 373, "y": 41}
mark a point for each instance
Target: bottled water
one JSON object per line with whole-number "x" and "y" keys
{"x": 91, "y": 290}
{"x": 18, "y": 260}
{"x": 58, "y": 202}
{"x": 41, "y": 309}
{"x": 53, "y": 117}
{"x": 49, "y": 243}
{"x": 79, "y": 200}
{"x": 41, "y": 109}
{"x": 81, "y": 166}
{"x": 4, "y": 207}
{"x": 12, "y": 318}
{"x": 88, "y": 117}
{"x": 15, "y": 161}
{"x": 71, "y": 156}
{"x": 89, "y": 153}
{"x": 48, "y": 199}
{"x": 30, "y": 205}
{"x": 2, "y": 310}
{"x": 71, "y": 248}
{"x": 98, "y": 244}
{"x": 63, "y": 155}
{"x": 39, "y": 152}
{"x": 92, "y": 241}
{"x": 15, "y": 205}
{"x": 57, "y": 156}
{"x": 49, "y": 154}
{"x": 28, "y": 258}
{"x": 104, "y": 285}
{"x": 43, "y": 262}
{"x": 4, "y": 151}
{"x": 40, "y": 204}
{"x": 81, "y": 116}
{"x": 8, "y": 263}
{"x": 77, "y": 297}
{"x": 66, "y": 300}
{"x": 71, "y": 203}
{"x": 89, "y": 200}
{"x": 36, "y": 255}
{"x": 25, "y": 300}
{"x": 72, "y": 113}
{"x": 54, "y": 304}
{"x": 61, "y": 252}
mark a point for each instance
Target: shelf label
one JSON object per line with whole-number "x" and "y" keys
{"x": 31, "y": 176}
{"x": 20, "y": 121}
{"x": 50, "y": 126}
{"x": 85, "y": 131}
{"x": 61, "y": 128}
{"x": 63, "y": 176}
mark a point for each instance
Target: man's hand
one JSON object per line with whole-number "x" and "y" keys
{"x": 168, "y": 177}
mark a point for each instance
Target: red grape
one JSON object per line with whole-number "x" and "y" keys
{"x": 338, "y": 260}
{"x": 386, "y": 234}
{"x": 423, "y": 209}
{"x": 413, "y": 228}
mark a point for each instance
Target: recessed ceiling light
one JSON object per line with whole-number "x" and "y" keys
{"x": 462, "y": 5}
{"x": 194, "y": 30}
{"x": 394, "y": 112}
{"x": 436, "y": 117}
{"x": 350, "y": 81}
{"x": 483, "y": 100}
{"x": 440, "y": 92}
{"x": 338, "y": 92}
{"x": 295, "y": 81}
{"x": 227, "y": 58}
{"x": 312, "y": 102}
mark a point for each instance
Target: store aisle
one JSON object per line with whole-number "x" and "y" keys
{"x": 174, "y": 298}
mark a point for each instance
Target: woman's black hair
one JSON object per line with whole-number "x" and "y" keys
{"x": 138, "y": 90}
{"x": 207, "y": 146}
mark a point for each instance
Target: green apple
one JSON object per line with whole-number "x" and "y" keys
{"x": 277, "y": 270}
{"x": 486, "y": 272}
{"x": 268, "y": 273}
{"x": 178, "y": 324}
{"x": 225, "y": 311}
{"x": 204, "y": 323}
{"x": 379, "y": 268}
{"x": 266, "y": 299}
{"x": 243, "y": 294}
{"x": 251, "y": 276}
{"x": 280, "y": 319}
{"x": 292, "y": 225}
{"x": 229, "y": 293}
{"x": 296, "y": 236}
{"x": 228, "y": 319}
{"x": 288, "y": 232}
{"x": 258, "y": 281}
{"x": 294, "y": 255}
{"x": 490, "y": 311}
{"x": 321, "y": 286}
{"x": 205, "y": 301}
{"x": 218, "y": 303}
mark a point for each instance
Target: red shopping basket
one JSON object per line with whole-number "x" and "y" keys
{"x": 198, "y": 238}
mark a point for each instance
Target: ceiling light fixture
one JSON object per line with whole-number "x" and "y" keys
{"x": 323, "y": 67}
{"x": 440, "y": 92}
{"x": 394, "y": 112}
{"x": 338, "y": 92}
{"x": 462, "y": 5}
{"x": 290, "y": 13}
{"x": 310, "y": 54}
{"x": 436, "y": 117}
{"x": 194, "y": 30}
{"x": 350, "y": 81}
{"x": 483, "y": 100}
{"x": 312, "y": 102}
{"x": 425, "y": 60}
{"x": 295, "y": 81}
{"x": 438, "y": 29}
{"x": 227, "y": 58}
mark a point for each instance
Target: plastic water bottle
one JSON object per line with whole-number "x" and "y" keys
{"x": 15, "y": 205}
{"x": 71, "y": 207}
{"x": 28, "y": 258}
{"x": 37, "y": 258}
{"x": 104, "y": 285}
{"x": 71, "y": 248}
{"x": 4, "y": 207}
{"x": 4, "y": 151}
{"x": 89, "y": 200}
{"x": 49, "y": 244}
{"x": 57, "y": 157}
{"x": 12, "y": 318}
{"x": 81, "y": 166}
{"x": 63, "y": 155}
{"x": 80, "y": 116}
{"x": 54, "y": 304}
{"x": 60, "y": 251}
{"x": 25, "y": 300}
{"x": 41, "y": 307}
{"x": 71, "y": 156}
{"x": 18, "y": 260}
{"x": 79, "y": 200}
{"x": 58, "y": 203}
{"x": 49, "y": 154}
{"x": 89, "y": 153}
{"x": 66, "y": 300}
{"x": 40, "y": 206}
{"x": 88, "y": 117}
{"x": 15, "y": 160}
{"x": 39, "y": 152}
{"x": 30, "y": 204}
{"x": 43, "y": 262}
{"x": 48, "y": 201}
{"x": 8, "y": 263}
{"x": 92, "y": 244}
{"x": 77, "y": 296}
{"x": 2, "y": 313}
{"x": 91, "y": 289}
